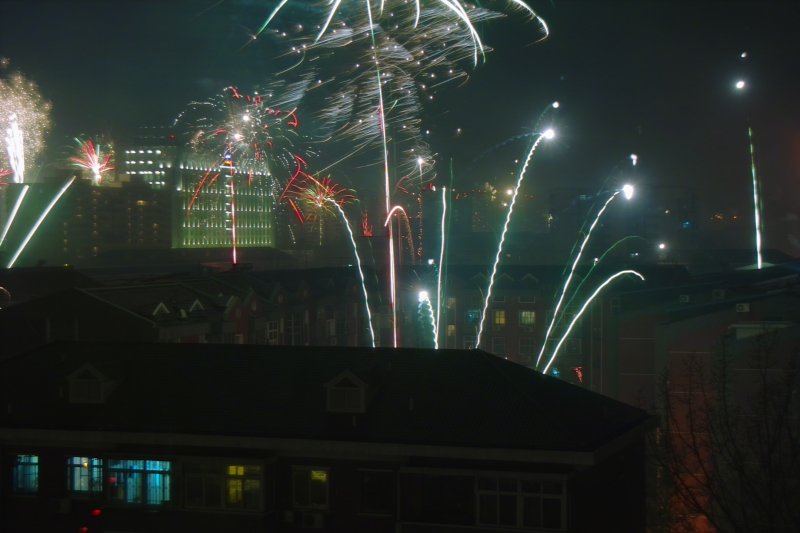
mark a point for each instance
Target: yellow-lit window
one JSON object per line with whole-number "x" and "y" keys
{"x": 527, "y": 319}
{"x": 499, "y": 318}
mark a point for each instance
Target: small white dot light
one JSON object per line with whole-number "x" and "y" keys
{"x": 740, "y": 84}
{"x": 556, "y": 105}
{"x": 662, "y": 246}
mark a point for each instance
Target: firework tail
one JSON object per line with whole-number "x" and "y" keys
{"x": 13, "y": 213}
{"x": 756, "y": 198}
{"x": 440, "y": 267}
{"x": 360, "y": 271}
{"x": 582, "y": 309}
{"x": 38, "y": 223}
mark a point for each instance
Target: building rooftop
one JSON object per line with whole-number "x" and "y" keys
{"x": 446, "y": 398}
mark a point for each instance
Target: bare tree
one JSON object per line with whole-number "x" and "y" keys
{"x": 729, "y": 441}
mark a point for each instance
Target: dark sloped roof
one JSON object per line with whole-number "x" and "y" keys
{"x": 449, "y": 397}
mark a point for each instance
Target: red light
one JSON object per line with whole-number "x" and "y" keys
{"x": 96, "y": 512}
{"x": 84, "y": 529}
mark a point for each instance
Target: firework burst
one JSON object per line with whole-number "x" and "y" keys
{"x": 24, "y": 122}
{"x": 90, "y": 157}
{"x": 316, "y": 200}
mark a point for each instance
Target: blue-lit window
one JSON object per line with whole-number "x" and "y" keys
{"x": 473, "y": 316}
{"x": 85, "y": 475}
{"x": 139, "y": 481}
{"x": 26, "y": 474}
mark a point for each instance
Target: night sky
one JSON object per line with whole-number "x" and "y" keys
{"x": 654, "y": 78}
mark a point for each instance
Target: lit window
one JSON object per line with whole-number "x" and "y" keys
{"x": 451, "y": 330}
{"x": 26, "y": 474}
{"x": 139, "y": 481}
{"x": 451, "y": 302}
{"x": 85, "y": 475}
{"x": 310, "y": 487}
{"x": 472, "y": 316}
{"x": 499, "y": 320}
{"x": 243, "y": 487}
{"x": 527, "y": 319}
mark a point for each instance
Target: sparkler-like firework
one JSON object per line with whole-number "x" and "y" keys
{"x": 426, "y": 315}
{"x": 90, "y": 157}
{"x": 24, "y": 122}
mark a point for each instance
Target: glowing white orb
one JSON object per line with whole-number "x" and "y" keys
{"x": 509, "y": 192}
{"x": 556, "y": 105}
{"x": 740, "y": 84}
{"x": 549, "y": 133}
{"x": 627, "y": 190}
{"x": 662, "y": 246}
{"x": 634, "y": 159}
{"x": 423, "y": 295}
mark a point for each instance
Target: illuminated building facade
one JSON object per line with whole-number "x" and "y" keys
{"x": 150, "y": 158}
{"x": 226, "y": 209}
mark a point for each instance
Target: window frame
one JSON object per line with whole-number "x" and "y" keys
{"x": 520, "y": 494}
{"x": 23, "y": 470}
{"x": 95, "y": 467}
{"x": 310, "y": 505}
{"x": 144, "y": 474}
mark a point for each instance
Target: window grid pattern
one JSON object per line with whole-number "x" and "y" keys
{"x": 25, "y": 477}
{"x": 85, "y": 475}
{"x": 525, "y": 503}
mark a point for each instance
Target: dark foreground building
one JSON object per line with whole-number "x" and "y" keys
{"x": 176, "y": 437}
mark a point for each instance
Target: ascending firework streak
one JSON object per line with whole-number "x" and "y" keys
{"x": 756, "y": 198}
{"x": 13, "y": 214}
{"x": 441, "y": 267}
{"x": 547, "y": 134}
{"x": 360, "y": 271}
{"x": 38, "y": 223}
{"x": 628, "y": 193}
{"x": 15, "y": 149}
{"x": 91, "y": 158}
{"x": 583, "y": 308}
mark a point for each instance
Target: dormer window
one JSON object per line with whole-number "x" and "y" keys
{"x": 160, "y": 309}
{"x": 346, "y": 394}
{"x": 87, "y": 385}
{"x": 196, "y": 306}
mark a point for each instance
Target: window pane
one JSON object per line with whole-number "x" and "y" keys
{"x": 158, "y": 488}
{"x": 551, "y": 512}
{"x": 84, "y": 474}
{"x": 252, "y": 494}
{"x": 487, "y": 483}
{"x": 300, "y": 487}
{"x": 212, "y": 492}
{"x": 531, "y": 511}
{"x": 234, "y": 495}
{"x": 551, "y": 487}
{"x": 26, "y": 474}
{"x": 508, "y": 509}
{"x": 488, "y": 509}
{"x": 508, "y": 485}
{"x": 377, "y": 492}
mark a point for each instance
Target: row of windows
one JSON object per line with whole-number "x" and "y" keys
{"x": 489, "y": 500}
{"x": 496, "y": 298}
{"x": 526, "y": 318}
{"x": 150, "y": 482}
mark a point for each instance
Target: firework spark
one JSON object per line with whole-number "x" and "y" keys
{"x": 440, "y": 266}
{"x": 90, "y": 157}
